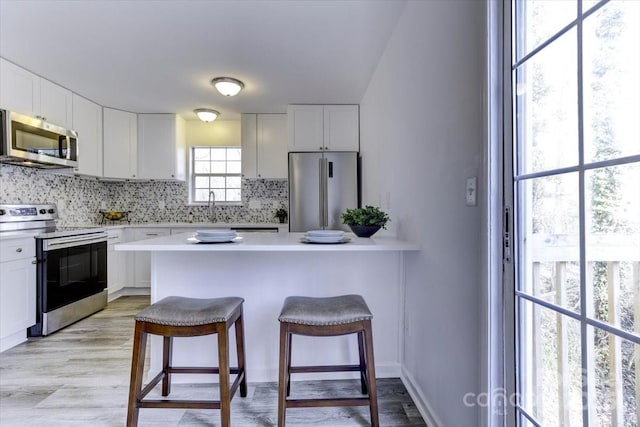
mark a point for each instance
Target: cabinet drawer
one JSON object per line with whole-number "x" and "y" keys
{"x": 13, "y": 249}
{"x": 150, "y": 233}
{"x": 114, "y": 236}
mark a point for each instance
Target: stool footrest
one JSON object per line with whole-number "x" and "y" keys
{"x": 180, "y": 404}
{"x": 198, "y": 370}
{"x": 323, "y": 368}
{"x": 308, "y": 403}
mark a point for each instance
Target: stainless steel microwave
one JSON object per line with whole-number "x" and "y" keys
{"x": 28, "y": 141}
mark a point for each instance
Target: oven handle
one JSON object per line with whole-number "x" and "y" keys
{"x": 67, "y": 242}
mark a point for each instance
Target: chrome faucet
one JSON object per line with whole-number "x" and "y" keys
{"x": 212, "y": 206}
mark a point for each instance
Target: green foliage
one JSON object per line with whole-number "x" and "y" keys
{"x": 369, "y": 215}
{"x": 281, "y": 213}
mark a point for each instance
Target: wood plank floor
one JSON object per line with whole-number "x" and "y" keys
{"x": 79, "y": 377}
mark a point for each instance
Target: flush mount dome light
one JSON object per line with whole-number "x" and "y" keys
{"x": 227, "y": 86}
{"x": 206, "y": 114}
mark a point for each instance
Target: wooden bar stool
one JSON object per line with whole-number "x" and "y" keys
{"x": 187, "y": 317}
{"x": 324, "y": 317}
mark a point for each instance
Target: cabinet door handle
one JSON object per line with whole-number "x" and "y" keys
{"x": 19, "y": 250}
{"x": 152, "y": 234}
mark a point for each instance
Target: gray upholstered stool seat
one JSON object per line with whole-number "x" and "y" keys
{"x": 174, "y": 317}
{"x": 181, "y": 311}
{"x": 324, "y": 311}
{"x": 327, "y": 317}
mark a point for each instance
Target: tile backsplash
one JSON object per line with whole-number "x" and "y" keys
{"x": 79, "y": 198}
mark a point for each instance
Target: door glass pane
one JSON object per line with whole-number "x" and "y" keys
{"x": 549, "y": 250}
{"x": 550, "y": 366}
{"x": 613, "y": 368}
{"x": 612, "y": 81}
{"x": 538, "y": 20}
{"x": 546, "y": 108}
{"x": 613, "y": 243}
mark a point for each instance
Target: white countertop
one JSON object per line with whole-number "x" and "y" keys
{"x": 264, "y": 242}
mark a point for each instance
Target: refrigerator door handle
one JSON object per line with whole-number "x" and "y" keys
{"x": 325, "y": 191}
{"x": 321, "y": 191}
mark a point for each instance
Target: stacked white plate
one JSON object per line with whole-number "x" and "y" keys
{"x": 215, "y": 235}
{"x": 324, "y": 236}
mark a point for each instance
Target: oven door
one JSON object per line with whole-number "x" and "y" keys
{"x": 73, "y": 273}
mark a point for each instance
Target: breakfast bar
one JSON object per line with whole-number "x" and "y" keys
{"x": 265, "y": 268}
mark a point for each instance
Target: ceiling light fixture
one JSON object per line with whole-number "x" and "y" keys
{"x": 227, "y": 86}
{"x": 206, "y": 114}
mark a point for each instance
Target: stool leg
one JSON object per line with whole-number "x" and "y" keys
{"x": 137, "y": 371}
{"x": 167, "y": 350}
{"x": 371, "y": 373}
{"x": 239, "y": 327}
{"x": 223, "y": 364}
{"x": 363, "y": 373}
{"x": 284, "y": 374}
{"x": 289, "y": 346}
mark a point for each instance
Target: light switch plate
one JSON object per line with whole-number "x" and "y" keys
{"x": 255, "y": 204}
{"x": 471, "y": 191}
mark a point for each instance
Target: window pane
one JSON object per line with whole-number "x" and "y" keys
{"x": 234, "y": 167}
{"x": 548, "y": 266}
{"x": 614, "y": 367}
{"x": 612, "y": 81}
{"x": 550, "y": 366}
{"x": 546, "y": 108}
{"x": 202, "y": 182}
{"x": 233, "y": 195}
{"x": 539, "y": 20}
{"x": 219, "y": 194}
{"x": 202, "y": 167}
{"x": 613, "y": 243}
{"x": 234, "y": 154}
{"x": 201, "y": 153}
{"x": 217, "y": 181}
{"x": 219, "y": 153}
{"x": 218, "y": 167}
{"x": 201, "y": 195}
{"x": 234, "y": 182}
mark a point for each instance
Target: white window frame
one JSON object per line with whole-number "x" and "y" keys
{"x": 193, "y": 175}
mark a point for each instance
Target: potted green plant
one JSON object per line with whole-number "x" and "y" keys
{"x": 281, "y": 214}
{"x": 366, "y": 221}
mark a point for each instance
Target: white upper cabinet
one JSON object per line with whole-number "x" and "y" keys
{"x": 264, "y": 145}
{"x": 323, "y": 128}
{"x": 27, "y": 93}
{"x": 249, "y": 140}
{"x": 120, "y": 144}
{"x": 161, "y": 146}
{"x": 341, "y": 128}
{"x": 87, "y": 121}
{"x": 305, "y": 127}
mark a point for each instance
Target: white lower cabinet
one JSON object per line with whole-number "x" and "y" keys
{"x": 142, "y": 260}
{"x": 17, "y": 290}
{"x": 116, "y": 262}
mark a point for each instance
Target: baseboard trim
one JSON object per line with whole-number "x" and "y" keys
{"x": 427, "y": 412}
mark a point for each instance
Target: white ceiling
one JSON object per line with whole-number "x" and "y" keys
{"x": 151, "y": 56}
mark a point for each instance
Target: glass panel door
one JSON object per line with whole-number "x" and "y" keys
{"x": 575, "y": 90}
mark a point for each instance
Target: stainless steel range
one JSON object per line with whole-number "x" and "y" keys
{"x": 71, "y": 265}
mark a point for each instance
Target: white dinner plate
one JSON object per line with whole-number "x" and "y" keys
{"x": 325, "y": 233}
{"x": 215, "y": 240}
{"x": 325, "y": 241}
{"x": 215, "y": 232}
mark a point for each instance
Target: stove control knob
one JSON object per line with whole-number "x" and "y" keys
{"x": 43, "y": 211}
{"x": 51, "y": 211}
{"x": 2, "y": 212}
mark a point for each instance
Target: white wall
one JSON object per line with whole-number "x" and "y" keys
{"x": 421, "y": 136}
{"x": 218, "y": 132}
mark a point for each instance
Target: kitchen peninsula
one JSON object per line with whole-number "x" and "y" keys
{"x": 265, "y": 268}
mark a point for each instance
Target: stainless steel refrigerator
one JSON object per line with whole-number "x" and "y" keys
{"x": 321, "y": 186}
